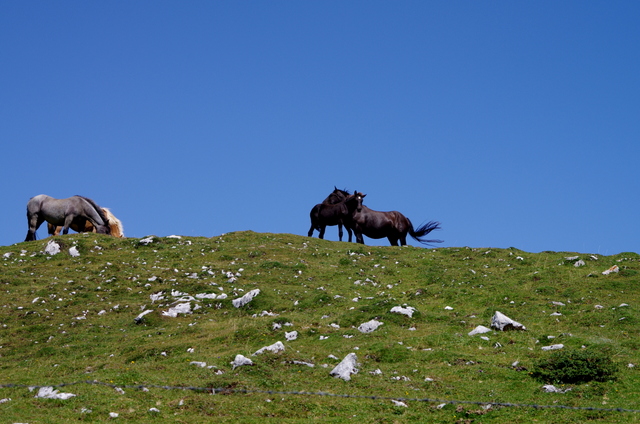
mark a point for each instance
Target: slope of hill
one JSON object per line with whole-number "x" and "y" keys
{"x": 71, "y": 317}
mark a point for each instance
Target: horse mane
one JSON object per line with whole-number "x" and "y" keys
{"x": 117, "y": 229}
{"x": 98, "y": 209}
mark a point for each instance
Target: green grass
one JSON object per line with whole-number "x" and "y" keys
{"x": 66, "y": 319}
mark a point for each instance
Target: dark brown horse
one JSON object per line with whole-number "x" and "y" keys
{"x": 332, "y": 211}
{"x": 392, "y": 225}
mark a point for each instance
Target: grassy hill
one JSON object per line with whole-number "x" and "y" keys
{"x": 66, "y": 319}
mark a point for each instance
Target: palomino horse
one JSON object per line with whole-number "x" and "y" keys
{"x": 332, "y": 211}
{"x": 392, "y": 225}
{"x": 63, "y": 212}
{"x": 117, "y": 230}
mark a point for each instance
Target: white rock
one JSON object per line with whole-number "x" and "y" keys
{"x": 147, "y": 240}
{"x": 211, "y": 296}
{"x": 73, "y": 251}
{"x": 579, "y": 263}
{"x": 154, "y": 410}
{"x": 138, "y": 319}
{"x": 156, "y": 296}
{"x": 292, "y": 335}
{"x": 481, "y": 329}
{"x": 52, "y": 248}
{"x": 274, "y": 348}
{"x": 240, "y": 361}
{"x": 113, "y": 414}
{"x": 180, "y": 308}
{"x": 408, "y": 311}
{"x": 369, "y": 326}
{"x": 610, "y": 270}
{"x": 550, "y": 388}
{"x": 448, "y": 308}
{"x": 553, "y": 347}
{"x": 398, "y": 403}
{"x": 245, "y": 299}
{"x": 345, "y": 368}
{"x": 198, "y": 363}
{"x": 50, "y": 393}
{"x": 502, "y": 322}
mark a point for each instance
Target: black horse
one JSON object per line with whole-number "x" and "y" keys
{"x": 332, "y": 211}
{"x": 392, "y": 225}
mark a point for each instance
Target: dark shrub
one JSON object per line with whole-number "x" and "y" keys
{"x": 575, "y": 366}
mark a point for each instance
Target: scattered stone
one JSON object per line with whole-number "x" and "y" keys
{"x": 240, "y": 361}
{"x": 579, "y": 263}
{"x": 73, "y": 251}
{"x": 610, "y": 270}
{"x": 369, "y": 326}
{"x": 180, "y": 308}
{"x": 503, "y": 323}
{"x": 138, "y": 319}
{"x": 553, "y": 347}
{"x": 50, "y": 393}
{"x": 292, "y": 335}
{"x": 408, "y": 311}
{"x": 274, "y": 348}
{"x": 245, "y": 299}
{"x": 481, "y": 329}
{"x": 345, "y": 368}
{"x": 52, "y": 248}
{"x": 550, "y": 388}
{"x": 146, "y": 240}
{"x": 399, "y": 403}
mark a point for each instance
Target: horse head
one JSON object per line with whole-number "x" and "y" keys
{"x": 358, "y": 199}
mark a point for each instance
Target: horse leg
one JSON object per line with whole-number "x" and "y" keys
{"x": 359, "y": 238}
{"x": 68, "y": 220}
{"x": 322, "y": 228}
{"x": 393, "y": 241}
{"x": 348, "y": 232}
{"x": 52, "y": 229}
{"x": 34, "y": 223}
{"x": 340, "y": 231}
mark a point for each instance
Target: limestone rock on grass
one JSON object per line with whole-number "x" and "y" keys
{"x": 503, "y": 323}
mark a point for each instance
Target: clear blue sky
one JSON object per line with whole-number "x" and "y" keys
{"x": 511, "y": 123}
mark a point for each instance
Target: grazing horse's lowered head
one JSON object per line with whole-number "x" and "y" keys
{"x": 81, "y": 225}
{"x": 392, "y": 225}
{"x": 63, "y": 212}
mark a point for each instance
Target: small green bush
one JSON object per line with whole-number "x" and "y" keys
{"x": 575, "y": 366}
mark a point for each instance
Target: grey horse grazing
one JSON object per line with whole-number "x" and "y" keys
{"x": 392, "y": 225}
{"x": 63, "y": 212}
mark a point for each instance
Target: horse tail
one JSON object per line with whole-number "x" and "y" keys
{"x": 423, "y": 230}
{"x": 100, "y": 212}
